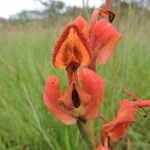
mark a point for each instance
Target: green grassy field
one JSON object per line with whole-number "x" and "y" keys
{"x": 25, "y": 63}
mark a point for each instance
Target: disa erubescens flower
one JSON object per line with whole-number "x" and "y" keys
{"x": 83, "y": 44}
{"x": 102, "y": 36}
{"x": 113, "y": 131}
{"x": 72, "y": 49}
{"x": 77, "y": 102}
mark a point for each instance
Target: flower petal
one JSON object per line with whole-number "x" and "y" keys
{"x": 114, "y": 131}
{"x": 106, "y": 39}
{"x": 72, "y": 46}
{"x": 83, "y": 26}
{"x": 84, "y": 97}
{"x": 66, "y": 98}
{"x": 126, "y": 111}
{"x": 143, "y": 103}
{"x": 104, "y": 31}
{"x": 94, "y": 19}
{"x": 51, "y": 96}
{"x": 93, "y": 85}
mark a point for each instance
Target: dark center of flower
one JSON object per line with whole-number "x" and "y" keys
{"x": 72, "y": 66}
{"x": 75, "y": 98}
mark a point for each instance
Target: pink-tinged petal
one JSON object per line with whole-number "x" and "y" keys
{"x": 83, "y": 26}
{"x": 106, "y": 52}
{"x": 93, "y": 23}
{"x": 104, "y": 31}
{"x": 51, "y": 96}
{"x": 94, "y": 19}
{"x": 100, "y": 147}
{"x": 93, "y": 85}
{"x": 107, "y": 38}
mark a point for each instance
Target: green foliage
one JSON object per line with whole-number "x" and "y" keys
{"x": 25, "y": 63}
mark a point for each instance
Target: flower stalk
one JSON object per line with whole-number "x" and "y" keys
{"x": 87, "y": 132}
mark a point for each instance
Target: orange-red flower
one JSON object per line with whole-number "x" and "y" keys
{"x": 101, "y": 35}
{"x": 72, "y": 49}
{"x": 81, "y": 45}
{"x": 78, "y": 102}
{"x": 125, "y": 116}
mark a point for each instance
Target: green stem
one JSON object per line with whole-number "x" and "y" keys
{"x": 87, "y": 133}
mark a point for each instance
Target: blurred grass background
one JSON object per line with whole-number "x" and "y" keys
{"x": 25, "y": 63}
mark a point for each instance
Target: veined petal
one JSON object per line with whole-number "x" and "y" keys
{"x": 93, "y": 85}
{"x": 72, "y": 46}
{"x": 106, "y": 39}
{"x": 82, "y": 24}
{"x": 106, "y": 51}
{"x": 104, "y": 31}
{"x": 51, "y": 95}
{"x": 94, "y": 19}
